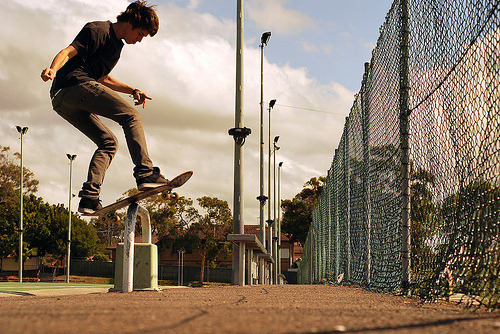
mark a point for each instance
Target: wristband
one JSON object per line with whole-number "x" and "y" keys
{"x": 135, "y": 91}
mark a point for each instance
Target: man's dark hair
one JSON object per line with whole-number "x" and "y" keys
{"x": 141, "y": 16}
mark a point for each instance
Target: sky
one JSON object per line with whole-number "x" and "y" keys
{"x": 313, "y": 67}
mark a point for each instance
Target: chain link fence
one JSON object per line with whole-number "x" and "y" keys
{"x": 434, "y": 75}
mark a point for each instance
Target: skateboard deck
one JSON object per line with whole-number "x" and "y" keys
{"x": 108, "y": 213}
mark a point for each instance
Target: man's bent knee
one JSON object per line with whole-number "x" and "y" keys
{"x": 131, "y": 117}
{"x": 109, "y": 145}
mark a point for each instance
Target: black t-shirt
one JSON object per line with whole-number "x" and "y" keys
{"x": 98, "y": 52}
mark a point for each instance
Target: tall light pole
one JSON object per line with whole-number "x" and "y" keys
{"x": 239, "y": 134}
{"x": 275, "y": 227}
{"x": 269, "y": 220}
{"x": 22, "y": 131}
{"x": 262, "y": 198}
{"x": 280, "y": 165}
{"x": 71, "y": 158}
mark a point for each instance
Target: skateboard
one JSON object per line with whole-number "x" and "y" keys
{"x": 108, "y": 213}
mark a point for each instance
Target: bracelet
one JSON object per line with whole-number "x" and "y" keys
{"x": 135, "y": 91}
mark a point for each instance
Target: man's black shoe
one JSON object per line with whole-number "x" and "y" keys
{"x": 88, "y": 205}
{"x": 151, "y": 181}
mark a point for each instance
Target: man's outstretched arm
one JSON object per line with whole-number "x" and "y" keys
{"x": 118, "y": 86}
{"x": 59, "y": 60}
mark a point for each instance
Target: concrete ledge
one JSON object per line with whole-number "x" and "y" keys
{"x": 250, "y": 240}
{"x": 267, "y": 257}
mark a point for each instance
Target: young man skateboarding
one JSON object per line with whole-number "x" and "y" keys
{"x": 82, "y": 90}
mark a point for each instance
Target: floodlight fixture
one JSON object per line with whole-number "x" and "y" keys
{"x": 265, "y": 37}
{"x": 271, "y": 104}
{"x": 22, "y": 130}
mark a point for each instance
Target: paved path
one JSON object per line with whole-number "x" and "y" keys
{"x": 233, "y": 309}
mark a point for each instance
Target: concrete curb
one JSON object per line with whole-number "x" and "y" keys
{"x": 67, "y": 291}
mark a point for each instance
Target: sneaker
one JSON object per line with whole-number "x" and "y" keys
{"x": 89, "y": 205}
{"x": 151, "y": 181}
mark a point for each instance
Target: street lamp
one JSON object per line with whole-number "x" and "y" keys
{"x": 71, "y": 158}
{"x": 262, "y": 198}
{"x": 265, "y": 38}
{"x": 269, "y": 220}
{"x": 280, "y": 165}
{"x": 275, "y": 227}
{"x": 22, "y": 131}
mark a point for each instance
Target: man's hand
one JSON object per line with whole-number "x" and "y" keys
{"x": 117, "y": 86}
{"x": 48, "y": 74}
{"x": 140, "y": 98}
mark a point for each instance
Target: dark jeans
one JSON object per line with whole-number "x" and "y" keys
{"x": 80, "y": 105}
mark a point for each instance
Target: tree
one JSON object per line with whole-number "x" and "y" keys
{"x": 160, "y": 211}
{"x": 45, "y": 225}
{"x": 164, "y": 213}
{"x": 108, "y": 233}
{"x": 297, "y": 213}
{"x": 10, "y": 199}
{"x": 181, "y": 226}
{"x": 174, "y": 224}
{"x": 84, "y": 238}
{"x": 9, "y": 216}
{"x": 9, "y": 177}
{"x": 185, "y": 228}
{"x": 47, "y": 230}
{"x": 212, "y": 229}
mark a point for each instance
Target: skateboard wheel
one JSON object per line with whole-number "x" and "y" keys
{"x": 175, "y": 196}
{"x": 165, "y": 195}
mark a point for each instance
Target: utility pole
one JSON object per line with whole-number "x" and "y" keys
{"x": 239, "y": 134}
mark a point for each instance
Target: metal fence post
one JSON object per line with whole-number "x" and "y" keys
{"x": 311, "y": 257}
{"x": 348, "y": 197}
{"x": 337, "y": 220}
{"x": 405, "y": 144}
{"x": 365, "y": 123}
{"x": 329, "y": 220}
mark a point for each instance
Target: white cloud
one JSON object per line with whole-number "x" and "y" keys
{"x": 193, "y": 4}
{"x": 324, "y": 48}
{"x": 188, "y": 69}
{"x": 273, "y": 15}
{"x": 309, "y": 47}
